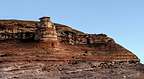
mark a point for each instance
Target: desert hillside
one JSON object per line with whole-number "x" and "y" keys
{"x": 61, "y": 52}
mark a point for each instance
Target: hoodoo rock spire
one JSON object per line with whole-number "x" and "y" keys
{"x": 47, "y": 32}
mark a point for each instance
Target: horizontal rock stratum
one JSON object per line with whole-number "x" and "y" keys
{"x": 44, "y": 45}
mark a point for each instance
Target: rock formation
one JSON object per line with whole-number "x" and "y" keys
{"x": 57, "y": 51}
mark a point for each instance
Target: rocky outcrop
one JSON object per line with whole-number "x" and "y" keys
{"x": 47, "y": 50}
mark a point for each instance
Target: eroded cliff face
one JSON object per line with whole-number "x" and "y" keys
{"x": 77, "y": 56}
{"x": 93, "y": 47}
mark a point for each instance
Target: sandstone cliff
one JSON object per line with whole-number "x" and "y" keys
{"x": 77, "y": 56}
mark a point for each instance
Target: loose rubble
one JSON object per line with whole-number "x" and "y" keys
{"x": 46, "y": 50}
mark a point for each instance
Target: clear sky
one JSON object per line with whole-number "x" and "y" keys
{"x": 122, "y": 20}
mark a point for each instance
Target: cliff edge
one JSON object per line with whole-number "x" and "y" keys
{"x": 46, "y": 50}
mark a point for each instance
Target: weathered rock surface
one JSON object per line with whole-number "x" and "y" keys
{"x": 77, "y": 56}
{"x": 81, "y": 70}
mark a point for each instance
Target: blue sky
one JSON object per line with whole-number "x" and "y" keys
{"x": 122, "y": 20}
